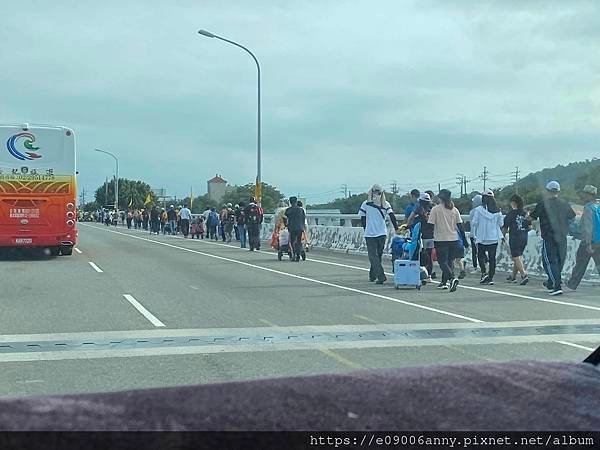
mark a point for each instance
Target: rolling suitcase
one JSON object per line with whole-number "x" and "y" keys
{"x": 407, "y": 273}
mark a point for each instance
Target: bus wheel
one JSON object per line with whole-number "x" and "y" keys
{"x": 66, "y": 250}
{"x": 54, "y": 251}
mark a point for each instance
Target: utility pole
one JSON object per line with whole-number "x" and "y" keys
{"x": 345, "y": 190}
{"x": 83, "y": 197}
{"x": 485, "y": 176}
{"x": 394, "y": 189}
{"x": 460, "y": 181}
{"x": 106, "y": 192}
{"x": 517, "y": 178}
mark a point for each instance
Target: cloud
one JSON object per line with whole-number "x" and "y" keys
{"x": 353, "y": 91}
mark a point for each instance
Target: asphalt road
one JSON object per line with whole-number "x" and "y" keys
{"x": 132, "y": 310}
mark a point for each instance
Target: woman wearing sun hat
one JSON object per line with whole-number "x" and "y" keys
{"x": 373, "y": 212}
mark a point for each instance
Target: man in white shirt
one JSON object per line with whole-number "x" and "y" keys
{"x": 373, "y": 212}
{"x": 186, "y": 216}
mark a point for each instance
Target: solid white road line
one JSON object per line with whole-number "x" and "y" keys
{"x": 77, "y": 250}
{"x": 147, "y": 314}
{"x": 492, "y": 291}
{"x": 95, "y": 267}
{"x": 529, "y": 297}
{"x": 571, "y": 344}
{"x": 299, "y": 277}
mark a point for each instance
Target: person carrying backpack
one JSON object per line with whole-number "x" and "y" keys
{"x": 294, "y": 218}
{"x": 229, "y": 223}
{"x": 172, "y": 218}
{"x": 589, "y": 246}
{"x": 254, "y": 218}
{"x": 212, "y": 223}
{"x": 240, "y": 216}
{"x": 554, "y": 214}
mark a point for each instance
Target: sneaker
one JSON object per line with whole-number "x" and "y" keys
{"x": 511, "y": 279}
{"x": 487, "y": 282}
{"x": 484, "y": 279}
{"x": 548, "y": 285}
{"x": 453, "y": 284}
{"x": 442, "y": 286}
{"x": 372, "y": 279}
{"x": 569, "y": 286}
{"x": 462, "y": 274}
{"x": 433, "y": 276}
{"x": 555, "y": 292}
{"x": 524, "y": 280}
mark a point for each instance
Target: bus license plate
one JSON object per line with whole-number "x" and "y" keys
{"x": 23, "y": 241}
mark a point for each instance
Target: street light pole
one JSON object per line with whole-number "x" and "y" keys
{"x": 117, "y": 174}
{"x": 258, "y": 187}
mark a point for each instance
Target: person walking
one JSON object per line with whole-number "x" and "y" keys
{"x": 554, "y": 215}
{"x": 486, "y": 226}
{"x": 241, "y": 223}
{"x": 229, "y": 223}
{"x": 186, "y": 216}
{"x": 447, "y": 223}
{"x": 213, "y": 221}
{"x": 145, "y": 219}
{"x": 163, "y": 221}
{"x": 172, "y": 218}
{"x": 254, "y": 219}
{"x": 476, "y": 201}
{"x": 129, "y": 219}
{"x": 373, "y": 212}
{"x": 420, "y": 214}
{"x": 414, "y": 203}
{"x": 223, "y": 222}
{"x": 517, "y": 225}
{"x": 294, "y": 218}
{"x": 154, "y": 220}
{"x": 589, "y": 247}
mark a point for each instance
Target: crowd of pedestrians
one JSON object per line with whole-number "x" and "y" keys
{"x": 443, "y": 236}
{"x": 241, "y": 222}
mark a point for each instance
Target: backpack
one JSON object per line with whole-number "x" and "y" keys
{"x": 231, "y": 216}
{"x": 254, "y": 214}
{"x": 213, "y": 218}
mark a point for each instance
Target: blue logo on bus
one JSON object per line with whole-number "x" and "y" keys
{"x": 21, "y": 146}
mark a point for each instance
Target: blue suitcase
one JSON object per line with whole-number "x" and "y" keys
{"x": 407, "y": 273}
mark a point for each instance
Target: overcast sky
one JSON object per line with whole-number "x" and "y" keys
{"x": 354, "y": 92}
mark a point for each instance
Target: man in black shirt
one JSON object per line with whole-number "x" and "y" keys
{"x": 554, "y": 215}
{"x": 294, "y": 218}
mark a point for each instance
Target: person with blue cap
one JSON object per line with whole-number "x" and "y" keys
{"x": 554, "y": 215}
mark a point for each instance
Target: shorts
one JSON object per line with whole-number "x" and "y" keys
{"x": 517, "y": 246}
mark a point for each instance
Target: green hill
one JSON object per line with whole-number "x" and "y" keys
{"x": 571, "y": 177}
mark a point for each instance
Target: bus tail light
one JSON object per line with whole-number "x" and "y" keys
{"x": 70, "y": 223}
{"x": 70, "y": 207}
{"x": 70, "y": 215}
